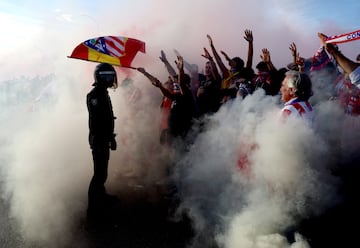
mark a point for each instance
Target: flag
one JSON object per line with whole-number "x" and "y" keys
{"x": 342, "y": 38}
{"x": 115, "y": 50}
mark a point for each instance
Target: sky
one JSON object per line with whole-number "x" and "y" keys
{"x": 43, "y": 127}
{"x": 36, "y": 31}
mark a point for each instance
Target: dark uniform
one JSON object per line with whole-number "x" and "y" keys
{"x": 101, "y": 133}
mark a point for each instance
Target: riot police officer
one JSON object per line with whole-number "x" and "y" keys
{"x": 101, "y": 134}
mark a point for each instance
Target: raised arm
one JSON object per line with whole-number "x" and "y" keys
{"x": 344, "y": 62}
{"x": 155, "y": 82}
{"x": 299, "y": 61}
{"x": 152, "y": 79}
{"x": 214, "y": 70}
{"x": 267, "y": 59}
{"x": 225, "y": 72}
{"x": 192, "y": 68}
{"x": 293, "y": 51}
{"x": 184, "y": 89}
{"x": 249, "y": 38}
{"x": 226, "y": 56}
{"x": 169, "y": 68}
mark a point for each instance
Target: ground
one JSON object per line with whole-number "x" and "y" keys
{"x": 143, "y": 223}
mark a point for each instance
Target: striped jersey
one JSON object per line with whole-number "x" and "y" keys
{"x": 297, "y": 108}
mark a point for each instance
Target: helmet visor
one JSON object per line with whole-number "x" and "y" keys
{"x": 108, "y": 78}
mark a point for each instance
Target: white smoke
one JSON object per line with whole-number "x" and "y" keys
{"x": 289, "y": 178}
{"x": 45, "y": 158}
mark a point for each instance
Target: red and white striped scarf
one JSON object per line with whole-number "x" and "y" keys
{"x": 342, "y": 38}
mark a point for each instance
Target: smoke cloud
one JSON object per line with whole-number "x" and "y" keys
{"x": 46, "y": 162}
{"x": 289, "y": 179}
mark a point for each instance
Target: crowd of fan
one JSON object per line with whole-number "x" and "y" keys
{"x": 193, "y": 95}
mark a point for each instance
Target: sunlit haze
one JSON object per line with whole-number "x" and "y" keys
{"x": 45, "y": 159}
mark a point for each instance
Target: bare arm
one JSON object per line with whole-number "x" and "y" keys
{"x": 293, "y": 50}
{"x": 214, "y": 70}
{"x": 249, "y": 37}
{"x": 155, "y": 82}
{"x": 267, "y": 59}
{"x": 224, "y": 70}
{"x": 169, "y": 68}
{"x": 226, "y": 56}
{"x": 193, "y": 70}
{"x": 344, "y": 62}
{"x": 152, "y": 79}
{"x": 299, "y": 61}
{"x": 165, "y": 91}
{"x": 183, "y": 87}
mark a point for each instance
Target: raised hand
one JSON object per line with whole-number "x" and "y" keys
{"x": 248, "y": 35}
{"x": 225, "y": 55}
{"x": 265, "y": 55}
{"x": 163, "y": 57}
{"x": 210, "y": 40}
{"x": 293, "y": 50}
{"x": 323, "y": 38}
{"x": 331, "y": 48}
{"x": 206, "y": 54}
{"x": 180, "y": 63}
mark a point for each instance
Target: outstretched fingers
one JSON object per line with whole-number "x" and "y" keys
{"x": 248, "y": 35}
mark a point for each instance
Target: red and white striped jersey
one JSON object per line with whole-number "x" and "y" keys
{"x": 297, "y": 108}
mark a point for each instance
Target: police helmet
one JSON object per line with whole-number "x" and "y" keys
{"x": 105, "y": 75}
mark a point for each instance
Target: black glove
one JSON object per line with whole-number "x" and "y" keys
{"x": 113, "y": 144}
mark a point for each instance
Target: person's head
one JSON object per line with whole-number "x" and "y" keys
{"x": 296, "y": 85}
{"x": 169, "y": 84}
{"x": 358, "y": 58}
{"x": 175, "y": 78}
{"x": 105, "y": 76}
{"x": 208, "y": 69}
{"x": 282, "y": 73}
{"x": 176, "y": 83}
{"x": 292, "y": 66}
{"x": 262, "y": 67}
{"x": 236, "y": 64}
{"x": 263, "y": 72}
